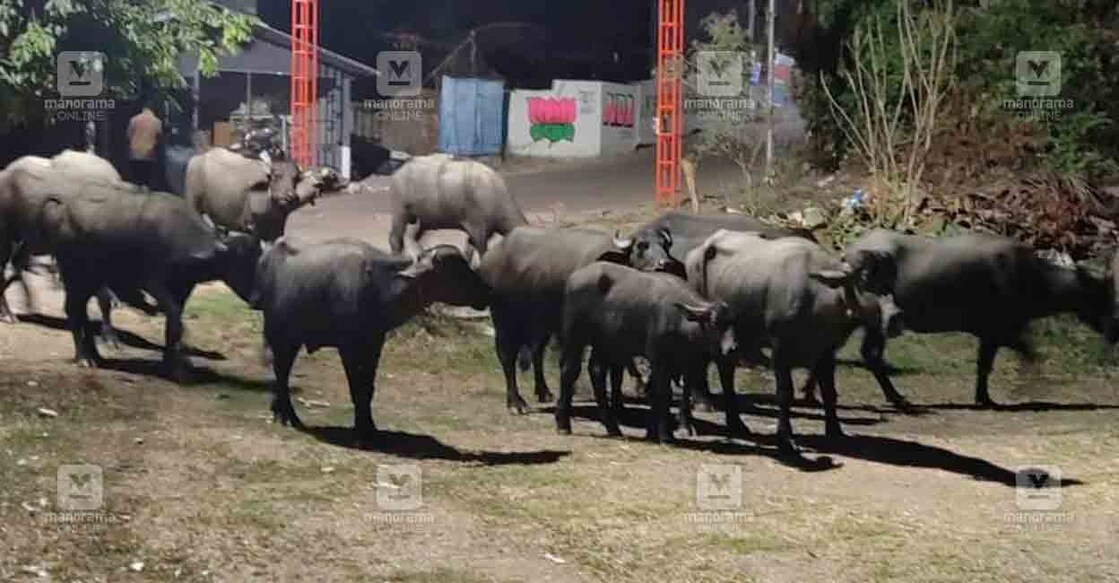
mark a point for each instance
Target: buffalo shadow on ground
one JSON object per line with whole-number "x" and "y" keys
{"x": 413, "y": 446}
{"x": 126, "y": 338}
{"x": 872, "y": 448}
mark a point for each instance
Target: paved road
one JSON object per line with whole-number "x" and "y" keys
{"x": 618, "y": 183}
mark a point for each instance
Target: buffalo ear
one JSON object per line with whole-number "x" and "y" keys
{"x": 692, "y": 313}
{"x": 833, "y": 278}
{"x": 710, "y": 252}
{"x": 666, "y": 238}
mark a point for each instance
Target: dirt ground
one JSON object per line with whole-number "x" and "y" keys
{"x": 197, "y": 483}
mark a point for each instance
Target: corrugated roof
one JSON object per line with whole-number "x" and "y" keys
{"x": 280, "y": 38}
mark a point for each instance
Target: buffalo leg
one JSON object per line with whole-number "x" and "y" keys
{"x": 400, "y": 222}
{"x": 174, "y": 361}
{"x": 701, "y": 390}
{"x": 617, "y": 400}
{"x": 735, "y": 426}
{"x": 85, "y": 352}
{"x": 570, "y": 362}
{"x": 477, "y": 244}
{"x": 21, "y": 263}
{"x": 507, "y": 344}
{"x": 105, "y": 304}
{"x": 987, "y": 351}
{"x": 596, "y": 369}
{"x": 825, "y": 371}
{"x": 809, "y": 390}
{"x": 684, "y": 413}
{"x": 282, "y": 409}
{"x": 361, "y": 375}
{"x": 784, "y": 376}
{"x": 660, "y": 393}
{"x": 6, "y": 314}
{"x": 540, "y": 346}
{"x": 873, "y": 350}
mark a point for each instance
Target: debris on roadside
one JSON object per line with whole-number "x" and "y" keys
{"x": 1046, "y": 212}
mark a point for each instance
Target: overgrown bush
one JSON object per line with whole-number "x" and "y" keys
{"x": 1083, "y": 140}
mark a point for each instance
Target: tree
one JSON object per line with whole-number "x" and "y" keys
{"x": 143, "y": 40}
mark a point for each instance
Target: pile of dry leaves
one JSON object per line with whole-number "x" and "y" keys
{"x": 1047, "y": 212}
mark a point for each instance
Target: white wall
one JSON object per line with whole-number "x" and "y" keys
{"x": 620, "y": 133}
{"x": 647, "y": 111}
{"x": 587, "y": 96}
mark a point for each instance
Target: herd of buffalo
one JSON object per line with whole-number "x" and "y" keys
{"x": 683, "y": 292}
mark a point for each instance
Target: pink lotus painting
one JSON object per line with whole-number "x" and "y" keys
{"x": 552, "y": 118}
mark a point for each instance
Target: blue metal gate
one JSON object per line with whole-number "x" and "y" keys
{"x": 471, "y": 117}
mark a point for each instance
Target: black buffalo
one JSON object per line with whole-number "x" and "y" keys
{"x": 347, "y": 294}
{"x": 623, "y": 313}
{"x": 108, "y": 235}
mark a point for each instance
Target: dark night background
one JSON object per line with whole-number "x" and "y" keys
{"x": 574, "y": 39}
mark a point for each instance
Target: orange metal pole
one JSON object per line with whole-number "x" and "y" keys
{"x": 304, "y": 80}
{"x": 669, "y": 148}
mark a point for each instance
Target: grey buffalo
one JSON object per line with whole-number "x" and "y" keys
{"x": 107, "y": 235}
{"x": 988, "y": 286}
{"x": 440, "y": 192}
{"x": 244, "y": 194}
{"x": 793, "y": 297}
{"x": 623, "y": 313}
{"x": 527, "y": 272}
{"x": 675, "y": 233}
{"x": 25, "y": 186}
{"x": 347, "y": 294}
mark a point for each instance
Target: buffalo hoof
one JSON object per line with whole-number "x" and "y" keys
{"x": 516, "y": 405}
{"x": 688, "y": 426}
{"x": 986, "y": 403}
{"x": 563, "y": 427}
{"x": 834, "y": 432}
{"x": 285, "y": 415}
{"x": 84, "y": 362}
{"x": 544, "y": 395}
{"x": 786, "y": 446}
{"x": 9, "y": 318}
{"x": 366, "y": 434}
{"x": 110, "y": 339}
{"x": 905, "y": 406}
{"x": 613, "y": 430}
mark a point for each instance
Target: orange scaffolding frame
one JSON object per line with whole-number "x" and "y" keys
{"x": 304, "y": 81}
{"x": 669, "y": 118}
